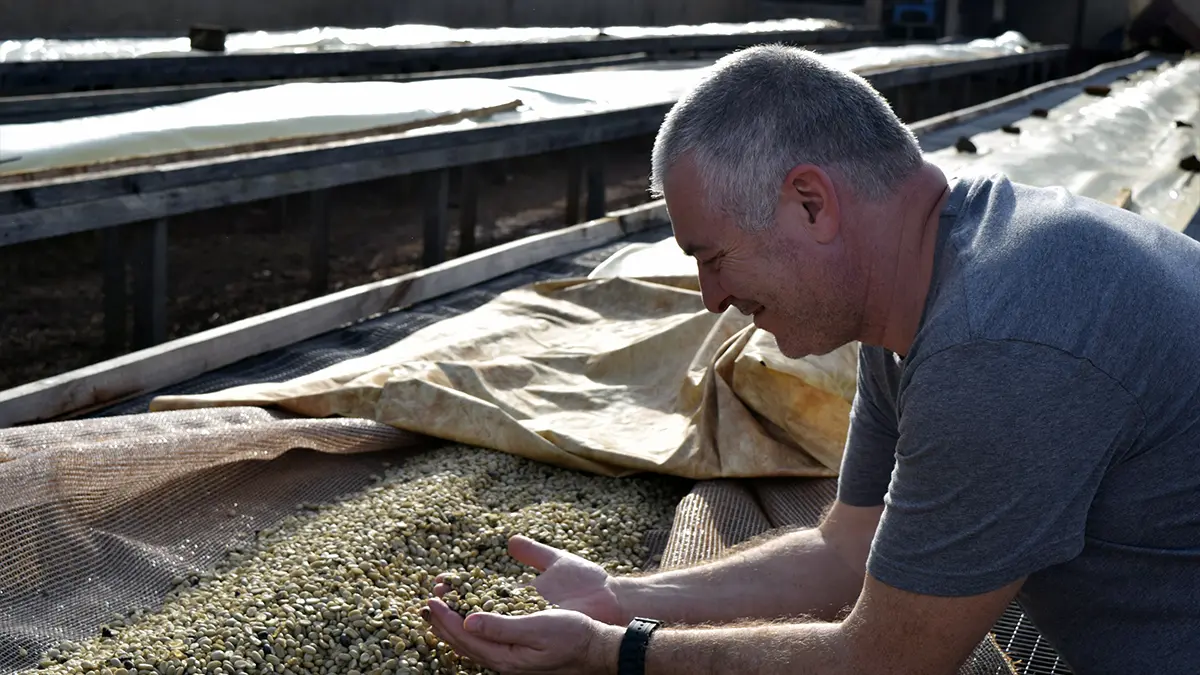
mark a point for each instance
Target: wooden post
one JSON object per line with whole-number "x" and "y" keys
{"x": 437, "y": 204}
{"x": 113, "y": 259}
{"x": 574, "y": 185}
{"x": 931, "y": 102}
{"x": 468, "y": 205}
{"x": 279, "y": 212}
{"x": 597, "y": 204}
{"x": 149, "y": 283}
{"x": 904, "y": 104}
{"x": 318, "y": 237}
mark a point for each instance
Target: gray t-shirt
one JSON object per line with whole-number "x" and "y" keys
{"x": 1046, "y": 422}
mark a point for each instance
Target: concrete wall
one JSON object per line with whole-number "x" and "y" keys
{"x": 1054, "y": 21}
{"x": 856, "y": 12}
{"x": 61, "y": 18}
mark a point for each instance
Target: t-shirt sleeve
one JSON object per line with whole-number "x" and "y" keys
{"x": 1002, "y": 447}
{"x": 870, "y": 448}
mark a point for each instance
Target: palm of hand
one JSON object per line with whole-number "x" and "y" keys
{"x": 577, "y": 584}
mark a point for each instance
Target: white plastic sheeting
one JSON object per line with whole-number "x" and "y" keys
{"x": 285, "y": 111}
{"x": 294, "y": 110}
{"x": 1099, "y": 146}
{"x": 348, "y": 39}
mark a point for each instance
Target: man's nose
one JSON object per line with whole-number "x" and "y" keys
{"x": 716, "y": 300}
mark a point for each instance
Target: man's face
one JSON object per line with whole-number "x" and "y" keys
{"x": 787, "y": 276}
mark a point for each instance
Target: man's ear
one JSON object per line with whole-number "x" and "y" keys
{"x": 810, "y": 199}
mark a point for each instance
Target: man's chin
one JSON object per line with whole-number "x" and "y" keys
{"x": 791, "y": 349}
{"x": 794, "y": 349}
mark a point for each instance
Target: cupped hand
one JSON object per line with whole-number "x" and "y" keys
{"x": 554, "y": 641}
{"x": 565, "y": 579}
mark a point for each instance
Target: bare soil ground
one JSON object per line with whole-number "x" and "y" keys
{"x": 232, "y": 263}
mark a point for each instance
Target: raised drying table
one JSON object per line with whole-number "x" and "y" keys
{"x": 24, "y": 78}
{"x": 141, "y": 195}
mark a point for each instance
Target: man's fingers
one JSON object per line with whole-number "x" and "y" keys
{"x": 509, "y": 630}
{"x": 440, "y": 589}
{"x": 533, "y": 553}
{"x": 449, "y": 626}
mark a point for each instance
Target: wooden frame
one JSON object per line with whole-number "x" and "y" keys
{"x": 46, "y": 204}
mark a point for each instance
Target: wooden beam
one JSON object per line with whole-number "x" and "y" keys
{"x": 173, "y": 362}
{"x": 149, "y": 283}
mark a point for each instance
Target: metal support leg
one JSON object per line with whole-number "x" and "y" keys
{"x": 318, "y": 236}
{"x": 437, "y": 195}
{"x": 112, "y": 248}
{"x": 468, "y": 212}
{"x": 150, "y": 283}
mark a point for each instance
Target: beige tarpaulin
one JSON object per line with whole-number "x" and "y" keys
{"x": 622, "y": 372}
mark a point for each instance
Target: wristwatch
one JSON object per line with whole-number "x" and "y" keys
{"x": 632, "y": 657}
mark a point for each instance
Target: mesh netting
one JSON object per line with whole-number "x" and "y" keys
{"x": 104, "y": 515}
{"x": 98, "y": 517}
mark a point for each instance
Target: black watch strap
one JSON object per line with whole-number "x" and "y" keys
{"x": 632, "y": 658}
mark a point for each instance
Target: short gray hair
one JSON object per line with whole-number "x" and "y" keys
{"x": 762, "y": 111}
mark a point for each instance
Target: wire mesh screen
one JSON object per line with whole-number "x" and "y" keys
{"x": 1024, "y": 644}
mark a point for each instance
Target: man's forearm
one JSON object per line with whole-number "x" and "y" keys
{"x": 783, "y": 649}
{"x": 812, "y": 649}
{"x": 796, "y": 574}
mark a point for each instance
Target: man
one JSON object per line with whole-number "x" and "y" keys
{"x": 1027, "y": 421}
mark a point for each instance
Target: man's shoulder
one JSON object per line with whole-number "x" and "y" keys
{"x": 1040, "y": 264}
{"x": 1002, "y": 222}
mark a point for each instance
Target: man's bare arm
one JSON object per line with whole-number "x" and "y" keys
{"x": 890, "y": 631}
{"x": 814, "y": 573}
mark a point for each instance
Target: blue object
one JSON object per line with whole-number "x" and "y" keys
{"x": 915, "y": 13}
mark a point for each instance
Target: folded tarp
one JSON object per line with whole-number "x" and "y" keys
{"x": 614, "y": 374}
